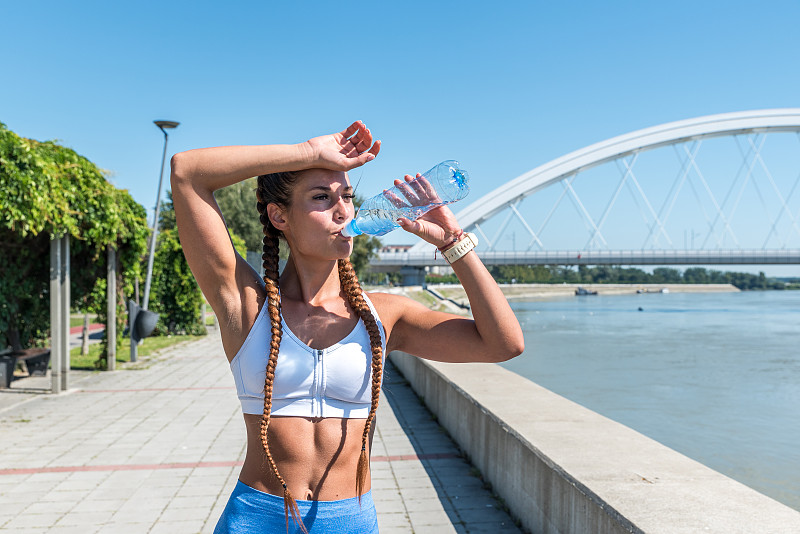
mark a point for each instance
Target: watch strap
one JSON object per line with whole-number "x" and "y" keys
{"x": 460, "y": 249}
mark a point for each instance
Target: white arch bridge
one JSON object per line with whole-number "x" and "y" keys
{"x": 650, "y": 197}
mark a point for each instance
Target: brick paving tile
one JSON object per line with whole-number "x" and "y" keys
{"x": 75, "y": 529}
{"x": 441, "y": 528}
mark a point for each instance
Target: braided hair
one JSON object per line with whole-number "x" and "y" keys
{"x": 276, "y": 188}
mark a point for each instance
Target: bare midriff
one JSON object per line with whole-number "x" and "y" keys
{"x": 317, "y": 458}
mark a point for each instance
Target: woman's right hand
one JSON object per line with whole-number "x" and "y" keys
{"x": 342, "y": 151}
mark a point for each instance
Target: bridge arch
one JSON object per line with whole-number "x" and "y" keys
{"x": 672, "y": 133}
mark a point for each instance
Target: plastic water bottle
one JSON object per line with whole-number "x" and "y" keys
{"x": 443, "y": 184}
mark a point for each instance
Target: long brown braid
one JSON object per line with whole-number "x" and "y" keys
{"x": 270, "y": 262}
{"x": 276, "y": 188}
{"x": 355, "y": 297}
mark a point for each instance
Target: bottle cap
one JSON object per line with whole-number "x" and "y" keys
{"x": 461, "y": 177}
{"x": 351, "y": 229}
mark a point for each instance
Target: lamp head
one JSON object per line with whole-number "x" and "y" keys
{"x": 166, "y": 124}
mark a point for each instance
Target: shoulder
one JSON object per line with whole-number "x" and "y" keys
{"x": 390, "y": 305}
{"x": 392, "y": 308}
{"x": 410, "y": 325}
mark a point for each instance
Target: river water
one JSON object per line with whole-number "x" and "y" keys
{"x": 715, "y": 376}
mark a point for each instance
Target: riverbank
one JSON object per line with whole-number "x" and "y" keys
{"x": 452, "y": 298}
{"x": 559, "y": 467}
{"x": 681, "y": 369}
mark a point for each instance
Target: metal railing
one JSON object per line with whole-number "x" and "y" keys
{"x": 387, "y": 261}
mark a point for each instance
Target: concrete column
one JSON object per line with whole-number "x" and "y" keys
{"x": 111, "y": 308}
{"x": 65, "y": 306}
{"x": 413, "y": 276}
{"x": 55, "y": 314}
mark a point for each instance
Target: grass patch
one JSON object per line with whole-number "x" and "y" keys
{"x": 154, "y": 344}
{"x": 86, "y": 363}
{"x": 150, "y": 345}
{"x": 424, "y": 297}
{"x": 428, "y": 300}
{"x": 75, "y": 320}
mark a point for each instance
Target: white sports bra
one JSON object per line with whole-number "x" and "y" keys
{"x": 331, "y": 382}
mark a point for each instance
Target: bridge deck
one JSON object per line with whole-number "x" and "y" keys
{"x": 389, "y": 261}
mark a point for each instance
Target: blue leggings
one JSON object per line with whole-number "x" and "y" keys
{"x": 249, "y": 510}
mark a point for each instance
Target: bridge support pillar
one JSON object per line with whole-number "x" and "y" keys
{"x": 413, "y": 276}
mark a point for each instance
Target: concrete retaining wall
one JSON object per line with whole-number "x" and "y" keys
{"x": 562, "y": 468}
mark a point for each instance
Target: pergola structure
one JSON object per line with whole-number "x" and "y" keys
{"x": 60, "y": 311}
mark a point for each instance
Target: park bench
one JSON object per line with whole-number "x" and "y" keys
{"x": 35, "y": 360}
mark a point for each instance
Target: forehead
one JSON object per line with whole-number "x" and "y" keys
{"x": 323, "y": 178}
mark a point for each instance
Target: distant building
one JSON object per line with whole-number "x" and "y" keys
{"x": 396, "y": 248}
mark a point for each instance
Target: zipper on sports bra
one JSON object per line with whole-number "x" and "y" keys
{"x": 318, "y": 384}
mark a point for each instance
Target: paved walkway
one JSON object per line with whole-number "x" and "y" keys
{"x": 159, "y": 450}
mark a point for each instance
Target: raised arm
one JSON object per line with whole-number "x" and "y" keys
{"x": 222, "y": 274}
{"x": 494, "y": 333}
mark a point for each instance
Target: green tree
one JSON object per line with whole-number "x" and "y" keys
{"x": 604, "y": 274}
{"x": 695, "y": 275}
{"x": 175, "y": 294}
{"x": 237, "y": 203}
{"x": 45, "y": 190}
{"x": 762, "y": 280}
{"x": 365, "y": 247}
{"x": 564, "y": 274}
{"x": 585, "y": 274}
{"x": 665, "y": 275}
{"x": 631, "y": 275}
{"x": 716, "y": 277}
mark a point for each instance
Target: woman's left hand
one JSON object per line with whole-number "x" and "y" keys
{"x": 439, "y": 226}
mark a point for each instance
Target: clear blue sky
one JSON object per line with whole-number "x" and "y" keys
{"x": 502, "y": 86}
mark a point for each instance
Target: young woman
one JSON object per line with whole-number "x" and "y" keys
{"x": 307, "y": 347}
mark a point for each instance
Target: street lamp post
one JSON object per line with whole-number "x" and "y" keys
{"x": 163, "y": 126}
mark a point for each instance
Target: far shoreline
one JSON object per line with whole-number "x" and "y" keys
{"x": 453, "y": 298}
{"x": 539, "y": 291}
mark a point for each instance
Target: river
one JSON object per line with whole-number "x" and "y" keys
{"x": 715, "y": 376}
